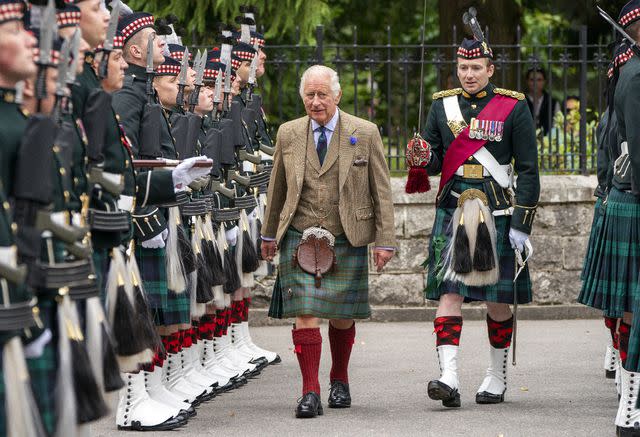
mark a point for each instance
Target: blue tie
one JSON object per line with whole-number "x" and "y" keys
{"x": 322, "y": 144}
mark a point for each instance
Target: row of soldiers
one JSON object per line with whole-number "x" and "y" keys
{"x": 132, "y": 181}
{"x": 611, "y": 272}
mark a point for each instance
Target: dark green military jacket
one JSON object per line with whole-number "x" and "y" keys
{"x": 518, "y": 145}
{"x": 16, "y": 293}
{"x": 626, "y": 104}
{"x": 129, "y": 103}
{"x": 13, "y": 124}
{"x": 263, "y": 134}
{"x": 147, "y": 188}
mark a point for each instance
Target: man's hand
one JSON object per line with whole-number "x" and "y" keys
{"x": 268, "y": 249}
{"x": 381, "y": 257}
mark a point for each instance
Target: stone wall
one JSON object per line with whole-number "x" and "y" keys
{"x": 560, "y": 236}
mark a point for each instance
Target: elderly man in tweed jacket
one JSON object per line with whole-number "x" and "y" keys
{"x": 329, "y": 172}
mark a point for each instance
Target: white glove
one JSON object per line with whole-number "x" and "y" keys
{"x": 232, "y": 236}
{"x": 185, "y": 172}
{"x": 517, "y": 239}
{"x": 156, "y": 242}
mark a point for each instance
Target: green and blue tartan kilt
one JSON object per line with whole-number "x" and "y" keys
{"x": 613, "y": 278}
{"x": 43, "y": 369}
{"x": 167, "y": 306}
{"x": 344, "y": 293}
{"x": 594, "y": 236}
{"x": 503, "y": 290}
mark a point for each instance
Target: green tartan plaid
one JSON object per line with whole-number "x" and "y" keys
{"x": 168, "y": 307}
{"x": 612, "y": 281}
{"x": 588, "y": 294}
{"x": 503, "y": 291}
{"x": 344, "y": 293}
{"x": 594, "y": 235}
{"x": 42, "y": 371}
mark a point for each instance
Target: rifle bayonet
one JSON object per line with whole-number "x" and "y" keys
{"x": 108, "y": 42}
{"x": 620, "y": 30}
{"x": 182, "y": 77}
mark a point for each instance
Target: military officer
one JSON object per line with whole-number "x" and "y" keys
{"x": 472, "y": 135}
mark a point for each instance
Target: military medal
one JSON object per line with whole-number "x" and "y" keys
{"x": 485, "y": 130}
{"x": 499, "y": 130}
{"x": 492, "y": 131}
{"x": 472, "y": 125}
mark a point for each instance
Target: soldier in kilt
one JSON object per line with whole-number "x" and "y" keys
{"x": 330, "y": 181}
{"x": 472, "y": 135}
{"x": 162, "y": 382}
{"x": 16, "y": 51}
{"x": 590, "y": 294}
{"x": 618, "y": 267}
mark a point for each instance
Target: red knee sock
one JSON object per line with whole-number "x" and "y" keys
{"x": 171, "y": 343}
{"x": 187, "y": 340}
{"x": 447, "y": 330}
{"x": 308, "y": 346}
{"x": 612, "y": 325}
{"x": 341, "y": 341}
{"x": 500, "y": 332}
{"x": 623, "y": 339}
{"x": 245, "y": 307}
{"x": 236, "y": 312}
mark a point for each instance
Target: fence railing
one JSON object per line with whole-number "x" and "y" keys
{"x": 381, "y": 82}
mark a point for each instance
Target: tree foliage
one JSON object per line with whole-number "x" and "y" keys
{"x": 280, "y": 17}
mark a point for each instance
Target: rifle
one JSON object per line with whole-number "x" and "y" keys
{"x": 199, "y": 65}
{"x": 182, "y": 78}
{"x": 48, "y": 30}
{"x": 150, "y": 70}
{"x": 108, "y": 42}
{"x": 620, "y": 30}
{"x": 158, "y": 163}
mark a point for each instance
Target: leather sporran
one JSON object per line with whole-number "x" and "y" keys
{"x": 315, "y": 253}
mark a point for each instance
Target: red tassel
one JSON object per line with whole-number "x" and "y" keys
{"x": 418, "y": 181}
{"x": 297, "y": 349}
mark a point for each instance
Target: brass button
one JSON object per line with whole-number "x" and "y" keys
{"x": 470, "y": 158}
{"x": 56, "y": 149}
{"x": 474, "y": 106}
{"x": 14, "y": 227}
{"x": 6, "y": 205}
{"x": 63, "y": 171}
{"x": 66, "y": 195}
{"x": 126, "y": 163}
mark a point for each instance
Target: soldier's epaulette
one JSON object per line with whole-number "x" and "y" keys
{"x": 514, "y": 94}
{"x": 447, "y": 93}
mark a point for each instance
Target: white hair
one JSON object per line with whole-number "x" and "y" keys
{"x": 334, "y": 81}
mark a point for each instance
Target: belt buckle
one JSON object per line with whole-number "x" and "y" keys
{"x": 473, "y": 171}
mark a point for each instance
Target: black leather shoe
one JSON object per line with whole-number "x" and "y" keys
{"x": 628, "y": 432}
{"x": 489, "y": 398}
{"x": 167, "y": 425}
{"x": 309, "y": 406}
{"x": 339, "y": 395}
{"x": 440, "y": 391}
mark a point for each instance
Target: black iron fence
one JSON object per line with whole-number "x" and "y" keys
{"x": 381, "y": 82}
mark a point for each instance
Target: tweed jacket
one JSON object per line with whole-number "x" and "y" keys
{"x": 364, "y": 192}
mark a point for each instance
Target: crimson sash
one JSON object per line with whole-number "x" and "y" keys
{"x": 498, "y": 109}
